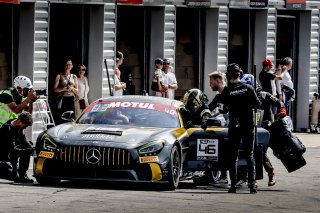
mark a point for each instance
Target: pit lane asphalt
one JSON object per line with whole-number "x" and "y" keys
{"x": 294, "y": 192}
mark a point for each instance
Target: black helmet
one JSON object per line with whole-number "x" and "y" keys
{"x": 233, "y": 71}
{"x": 194, "y": 99}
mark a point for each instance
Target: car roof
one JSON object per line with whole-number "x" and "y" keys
{"x": 141, "y": 98}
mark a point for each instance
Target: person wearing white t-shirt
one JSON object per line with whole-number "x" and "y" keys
{"x": 169, "y": 78}
{"x": 118, "y": 85}
{"x": 285, "y": 88}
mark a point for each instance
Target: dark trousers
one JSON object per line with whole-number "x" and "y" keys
{"x": 246, "y": 133}
{"x": 20, "y": 158}
{"x": 267, "y": 164}
{"x": 289, "y": 95}
{"x": 20, "y": 162}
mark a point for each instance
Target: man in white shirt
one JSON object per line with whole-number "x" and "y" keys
{"x": 169, "y": 78}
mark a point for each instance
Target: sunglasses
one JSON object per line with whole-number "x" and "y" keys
{"x": 166, "y": 63}
{"x": 83, "y": 69}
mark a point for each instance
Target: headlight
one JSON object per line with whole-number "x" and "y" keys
{"x": 48, "y": 144}
{"x": 152, "y": 147}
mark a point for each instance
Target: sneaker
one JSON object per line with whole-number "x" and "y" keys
{"x": 272, "y": 179}
{"x": 23, "y": 179}
{"x": 232, "y": 189}
{"x": 222, "y": 181}
{"x": 240, "y": 184}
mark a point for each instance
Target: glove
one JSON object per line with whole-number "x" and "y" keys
{"x": 282, "y": 112}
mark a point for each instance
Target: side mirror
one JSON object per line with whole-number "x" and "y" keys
{"x": 68, "y": 116}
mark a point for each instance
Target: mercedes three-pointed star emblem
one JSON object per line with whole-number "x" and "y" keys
{"x": 93, "y": 156}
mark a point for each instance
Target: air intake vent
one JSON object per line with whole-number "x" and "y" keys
{"x": 99, "y": 156}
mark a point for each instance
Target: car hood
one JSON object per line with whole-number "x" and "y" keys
{"x": 105, "y": 135}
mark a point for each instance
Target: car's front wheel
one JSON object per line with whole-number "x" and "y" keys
{"x": 174, "y": 168}
{"x": 43, "y": 180}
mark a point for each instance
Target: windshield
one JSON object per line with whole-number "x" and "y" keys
{"x": 131, "y": 113}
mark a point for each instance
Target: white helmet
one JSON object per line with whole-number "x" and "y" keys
{"x": 22, "y": 82}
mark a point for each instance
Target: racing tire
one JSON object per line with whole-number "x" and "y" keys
{"x": 44, "y": 180}
{"x": 208, "y": 177}
{"x": 174, "y": 168}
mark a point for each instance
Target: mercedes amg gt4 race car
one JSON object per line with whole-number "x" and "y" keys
{"x": 133, "y": 138}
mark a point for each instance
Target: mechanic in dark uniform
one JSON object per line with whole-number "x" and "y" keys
{"x": 268, "y": 101}
{"x": 240, "y": 100}
{"x": 15, "y": 148}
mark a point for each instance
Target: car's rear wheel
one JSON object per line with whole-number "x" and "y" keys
{"x": 174, "y": 168}
{"x": 208, "y": 177}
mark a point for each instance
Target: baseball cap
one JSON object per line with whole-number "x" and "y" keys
{"x": 158, "y": 61}
{"x": 267, "y": 62}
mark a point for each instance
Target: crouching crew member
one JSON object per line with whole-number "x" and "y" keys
{"x": 239, "y": 100}
{"x": 15, "y": 149}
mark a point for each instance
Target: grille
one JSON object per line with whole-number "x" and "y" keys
{"x": 110, "y": 157}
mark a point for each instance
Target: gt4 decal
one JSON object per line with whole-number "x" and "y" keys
{"x": 45, "y": 154}
{"x": 207, "y": 149}
{"x": 149, "y": 159}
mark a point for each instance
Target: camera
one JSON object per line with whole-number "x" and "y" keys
{"x": 41, "y": 92}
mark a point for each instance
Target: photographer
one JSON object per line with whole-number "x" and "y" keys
{"x": 15, "y": 149}
{"x": 15, "y": 100}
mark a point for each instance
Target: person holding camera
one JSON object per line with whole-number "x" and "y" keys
{"x": 15, "y": 150}
{"x": 240, "y": 99}
{"x": 66, "y": 88}
{"x": 15, "y": 100}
